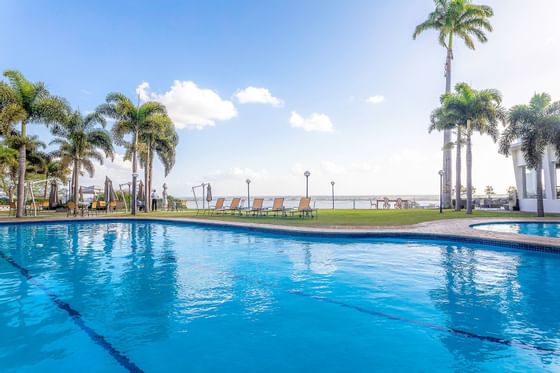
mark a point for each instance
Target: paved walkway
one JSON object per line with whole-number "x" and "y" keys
{"x": 452, "y": 229}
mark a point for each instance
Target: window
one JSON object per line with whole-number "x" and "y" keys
{"x": 530, "y": 183}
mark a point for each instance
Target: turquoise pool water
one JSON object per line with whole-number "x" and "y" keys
{"x": 165, "y": 297}
{"x": 532, "y": 229}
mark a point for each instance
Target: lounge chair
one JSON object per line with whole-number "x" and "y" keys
{"x": 233, "y": 206}
{"x": 71, "y": 209}
{"x": 304, "y": 209}
{"x": 92, "y": 208}
{"x": 278, "y": 207}
{"x": 217, "y": 207}
{"x": 257, "y": 207}
{"x": 13, "y": 207}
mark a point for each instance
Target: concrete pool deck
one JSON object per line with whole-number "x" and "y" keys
{"x": 452, "y": 229}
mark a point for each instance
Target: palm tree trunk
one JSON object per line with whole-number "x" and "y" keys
{"x": 540, "y": 198}
{"x": 447, "y": 155}
{"x": 20, "y": 206}
{"x": 150, "y": 169}
{"x": 134, "y": 173}
{"x": 458, "y": 172}
{"x": 147, "y": 180}
{"x": 469, "y": 170}
{"x": 76, "y": 183}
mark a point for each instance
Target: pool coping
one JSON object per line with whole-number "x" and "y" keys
{"x": 460, "y": 230}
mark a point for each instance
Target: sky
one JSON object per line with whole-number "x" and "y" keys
{"x": 268, "y": 89}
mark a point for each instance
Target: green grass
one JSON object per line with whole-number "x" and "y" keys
{"x": 331, "y": 218}
{"x": 353, "y": 217}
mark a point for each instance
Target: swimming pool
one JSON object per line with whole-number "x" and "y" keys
{"x": 548, "y": 229}
{"x": 162, "y": 297}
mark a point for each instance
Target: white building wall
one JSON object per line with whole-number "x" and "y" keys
{"x": 528, "y": 202}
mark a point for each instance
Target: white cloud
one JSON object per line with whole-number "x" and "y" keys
{"x": 237, "y": 173}
{"x": 315, "y": 122}
{"x": 190, "y": 106}
{"x": 254, "y": 95}
{"x": 332, "y": 168}
{"x": 118, "y": 170}
{"x": 375, "y": 99}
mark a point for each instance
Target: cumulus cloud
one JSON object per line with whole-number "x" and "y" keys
{"x": 315, "y": 122}
{"x": 190, "y": 106}
{"x": 375, "y": 99}
{"x": 255, "y": 95}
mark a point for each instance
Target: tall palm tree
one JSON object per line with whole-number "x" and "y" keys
{"x": 443, "y": 119}
{"x": 536, "y": 126}
{"x": 465, "y": 20}
{"x": 129, "y": 120}
{"x": 24, "y": 102}
{"x": 81, "y": 140}
{"x": 159, "y": 136}
{"x": 8, "y": 170}
{"x": 481, "y": 111}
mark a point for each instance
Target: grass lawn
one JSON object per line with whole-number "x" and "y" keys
{"x": 326, "y": 217}
{"x": 354, "y": 217}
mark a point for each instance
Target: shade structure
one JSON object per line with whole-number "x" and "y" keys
{"x": 81, "y": 195}
{"x": 208, "y": 193}
{"x": 53, "y": 196}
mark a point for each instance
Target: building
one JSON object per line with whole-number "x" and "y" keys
{"x": 526, "y": 181}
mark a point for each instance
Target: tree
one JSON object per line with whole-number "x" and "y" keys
{"x": 443, "y": 119}
{"x": 8, "y": 170}
{"x": 478, "y": 111}
{"x": 489, "y": 191}
{"x": 24, "y": 102}
{"x": 129, "y": 120}
{"x": 536, "y": 126}
{"x": 465, "y": 20}
{"x": 81, "y": 140}
{"x": 159, "y": 136}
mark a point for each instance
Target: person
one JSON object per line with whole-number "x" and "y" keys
{"x": 154, "y": 200}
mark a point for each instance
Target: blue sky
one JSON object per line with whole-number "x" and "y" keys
{"x": 315, "y": 57}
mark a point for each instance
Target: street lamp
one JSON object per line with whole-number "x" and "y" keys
{"x": 441, "y": 173}
{"x": 332, "y": 187}
{"x": 307, "y": 174}
{"x": 248, "y": 181}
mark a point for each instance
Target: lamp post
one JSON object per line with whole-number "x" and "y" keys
{"x": 248, "y": 181}
{"x": 441, "y": 173}
{"x": 332, "y": 188}
{"x": 307, "y": 174}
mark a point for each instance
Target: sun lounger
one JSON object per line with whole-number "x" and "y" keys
{"x": 278, "y": 207}
{"x": 257, "y": 207}
{"x": 304, "y": 209}
{"x": 217, "y": 207}
{"x": 233, "y": 207}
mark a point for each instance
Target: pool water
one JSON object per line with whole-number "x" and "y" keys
{"x": 532, "y": 229}
{"x": 165, "y": 297}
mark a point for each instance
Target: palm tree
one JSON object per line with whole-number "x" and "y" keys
{"x": 463, "y": 19}
{"x": 481, "y": 111}
{"x": 24, "y": 102}
{"x": 129, "y": 120}
{"x": 80, "y": 141}
{"x": 443, "y": 119}
{"x": 536, "y": 126}
{"x": 8, "y": 170}
{"x": 159, "y": 136}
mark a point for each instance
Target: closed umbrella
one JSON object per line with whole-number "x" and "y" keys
{"x": 110, "y": 195}
{"x": 81, "y": 195}
{"x": 53, "y": 196}
{"x": 208, "y": 193}
{"x": 140, "y": 196}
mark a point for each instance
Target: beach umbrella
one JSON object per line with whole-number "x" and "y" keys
{"x": 140, "y": 196}
{"x": 208, "y": 193}
{"x": 81, "y": 195}
{"x": 53, "y": 196}
{"x": 110, "y": 195}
